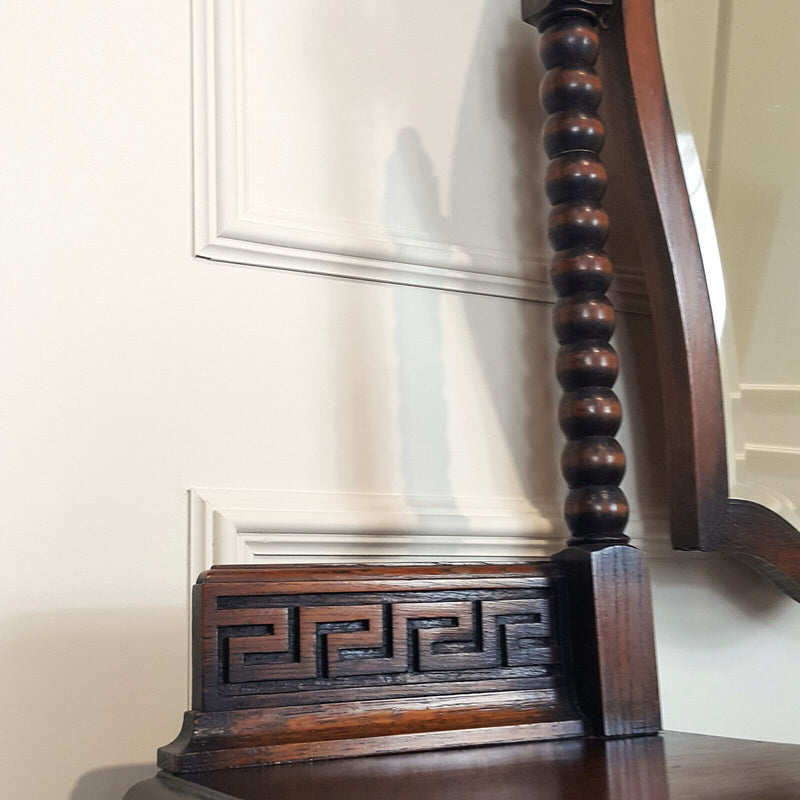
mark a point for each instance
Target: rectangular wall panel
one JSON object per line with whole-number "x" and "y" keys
{"x": 394, "y": 141}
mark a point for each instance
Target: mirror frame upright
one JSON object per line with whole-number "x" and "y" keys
{"x": 703, "y": 515}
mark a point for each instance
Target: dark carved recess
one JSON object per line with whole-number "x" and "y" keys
{"x": 703, "y": 516}
{"x": 268, "y": 650}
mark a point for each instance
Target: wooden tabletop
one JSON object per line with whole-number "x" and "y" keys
{"x": 672, "y": 766}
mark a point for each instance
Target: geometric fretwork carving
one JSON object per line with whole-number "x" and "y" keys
{"x": 269, "y": 643}
{"x": 300, "y": 642}
{"x": 269, "y": 649}
{"x": 299, "y": 662}
{"x": 262, "y": 645}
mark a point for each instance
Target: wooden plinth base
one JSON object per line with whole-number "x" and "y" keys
{"x": 299, "y": 663}
{"x": 276, "y": 736}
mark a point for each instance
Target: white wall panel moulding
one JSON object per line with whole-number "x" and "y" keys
{"x": 240, "y": 526}
{"x": 770, "y": 388}
{"x": 769, "y": 415}
{"x": 774, "y": 450}
{"x": 307, "y": 159}
{"x": 768, "y": 447}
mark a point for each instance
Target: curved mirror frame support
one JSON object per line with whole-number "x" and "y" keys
{"x": 704, "y": 516}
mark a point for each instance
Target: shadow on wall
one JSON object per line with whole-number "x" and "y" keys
{"x": 753, "y": 601}
{"x": 413, "y": 215}
{"x": 110, "y": 783}
{"x": 513, "y": 363}
{"x": 94, "y": 691}
{"x": 530, "y": 357}
{"x": 514, "y": 358}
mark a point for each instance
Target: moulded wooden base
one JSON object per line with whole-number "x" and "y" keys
{"x": 283, "y": 735}
{"x": 315, "y": 662}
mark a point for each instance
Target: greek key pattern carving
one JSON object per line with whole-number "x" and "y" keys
{"x": 292, "y": 647}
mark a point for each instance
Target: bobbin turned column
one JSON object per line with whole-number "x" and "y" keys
{"x": 610, "y": 605}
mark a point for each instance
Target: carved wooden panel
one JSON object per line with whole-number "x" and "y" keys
{"x": 304, "y": 647}
{"x": 300, "y": 662}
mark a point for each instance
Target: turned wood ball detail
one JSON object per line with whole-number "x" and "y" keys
{"x": 586, "y": 364}
{"x": 580, "y": 269}
{"x": 575, "y": 176}
{"x": 589, "y": 411}
{"x": 592, "y": 462}
{"x": 571, "y": 40}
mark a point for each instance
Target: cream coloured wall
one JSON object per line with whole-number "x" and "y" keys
{"x": 134, "y": 372}
{"x": 756, "y": 208}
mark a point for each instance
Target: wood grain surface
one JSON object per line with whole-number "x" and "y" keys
{"x": 672, "y": 766}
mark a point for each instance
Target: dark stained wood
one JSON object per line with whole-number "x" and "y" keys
{"x": 301, "y": 662}
{"x": 312, "y": 662}
{"x": 672, "y": 766}
{"x": 612, "y": 640}
{"x": 764, "y": 541}
{"x": 611, "y": 625}
{"x": 703, "y": 517}
{"x": 687, "y": 354}
{"x": 593, "y": 462}
{"x": 537, "y": 12}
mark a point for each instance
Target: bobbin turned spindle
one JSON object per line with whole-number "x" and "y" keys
{"x": 612, "y": 636}
{"x": 593, "y": 462}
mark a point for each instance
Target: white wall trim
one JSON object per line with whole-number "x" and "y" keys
{"x": 772, "y": 449}
{"x": 768, "y": 456}
{"x": 240, "y": 526}
{"x": 768, "y": 414}
{"x": 226, "y": 229}
{"x": 769, "y": 388}
{"x": 246, "y": 526}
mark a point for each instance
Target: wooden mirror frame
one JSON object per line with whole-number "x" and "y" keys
{"x": 703, "y": 515}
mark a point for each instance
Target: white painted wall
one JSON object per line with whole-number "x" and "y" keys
{"x": 134, "y": 372}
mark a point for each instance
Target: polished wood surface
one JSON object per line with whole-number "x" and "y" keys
{"x": 673, "y": 766}
{"x": 703, "y": 516}
{"x": 687, "y": 354}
